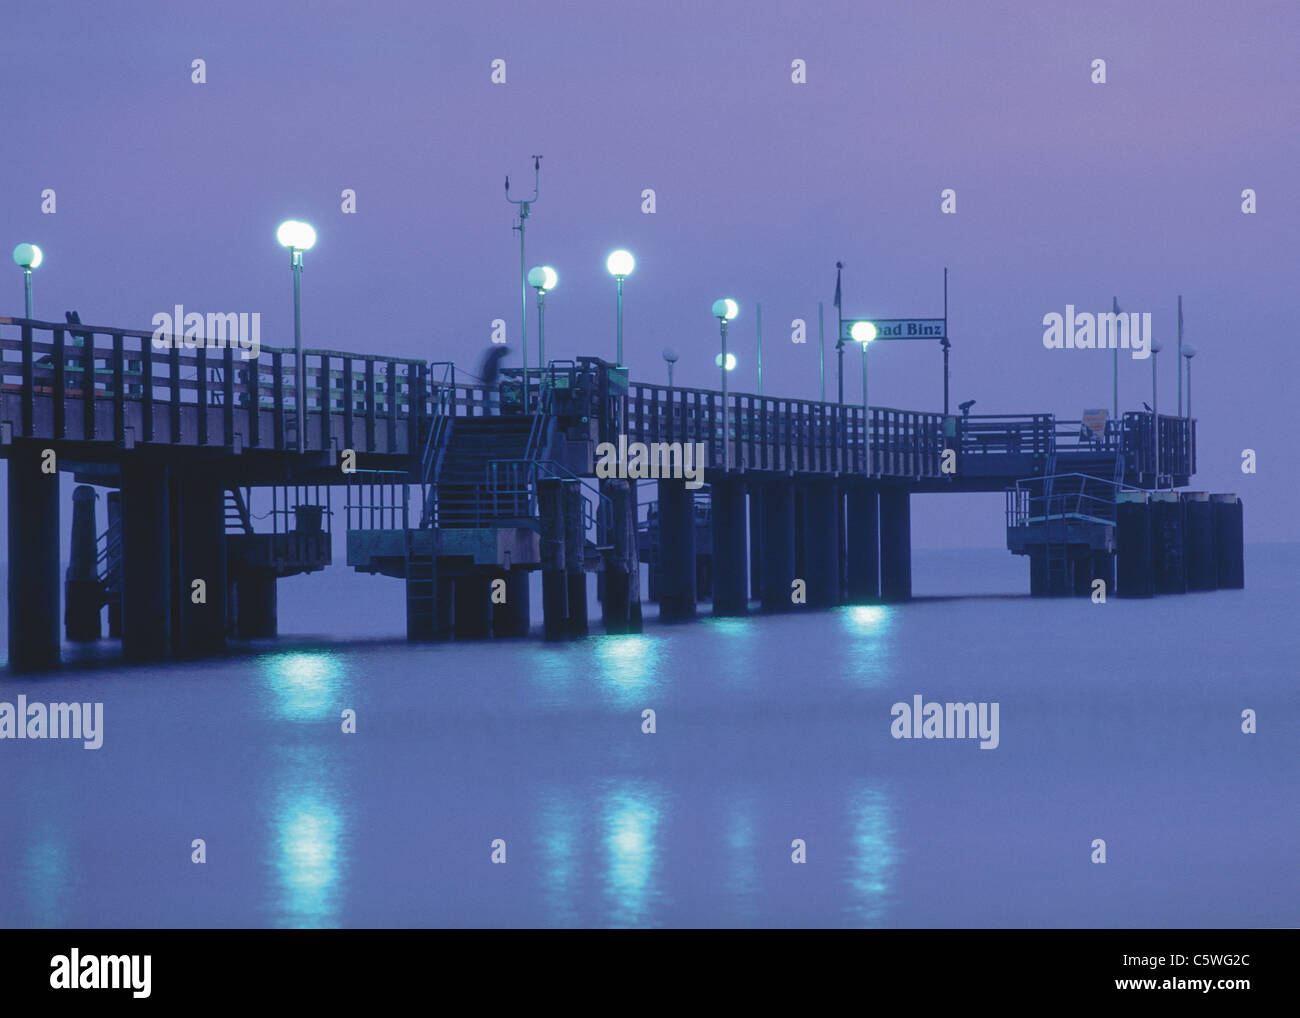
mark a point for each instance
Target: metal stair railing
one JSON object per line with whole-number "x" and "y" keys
{"x": 443, "y": 409}
{"x": 108, "y": 561}
{"x": 519, "y": 477}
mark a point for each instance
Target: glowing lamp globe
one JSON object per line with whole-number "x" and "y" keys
{"x": 731, "y": 361}
{"x": 725, "y": 310}
{"x": 28, "y": 256}
{"x": 863, "y": 332}
{"x": 543, "y": 278}
{"x": 620, "y": 263}
{"x": 295, "y": 235}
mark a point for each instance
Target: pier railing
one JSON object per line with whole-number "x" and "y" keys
{"x": 771, "y": 433}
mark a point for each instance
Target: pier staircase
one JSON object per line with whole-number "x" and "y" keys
{"x": 467, "y": 495}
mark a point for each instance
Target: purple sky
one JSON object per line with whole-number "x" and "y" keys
{"x": 1068, "y": 192}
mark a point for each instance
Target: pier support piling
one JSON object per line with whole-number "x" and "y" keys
{"x": 1228, "y": 541}
{"x": 1199, "y": 541}
{"x": 730, "y": 547}
{"x": 1169, "y": 563}
{"x": 621, "y": 560}
{"x": 257, "y": 607}
{"x": 820, "y": 540}
{"x": 146, "y": 562}
{"x": 1133, "y": 574}
{"x": 575, "y": 551}
{"x": 512, "y": 618}
{"x": 33, "y": 561}
{"x": 676, "y": 551}
{"x": 81, "y": 590}
{"x": 555, "y": 597}
{"x": 473, "y": 606}
{"x": 778, "y": 562}
{"x": 895, "y": 545}
{"x": 862, "y": 539}
{"x": 202, "y": 517}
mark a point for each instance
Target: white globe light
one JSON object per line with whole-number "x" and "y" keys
{"x": 1156, "y": 346}
{"x": 731, "y": 361}
{"x": 620, "y": 263}
{"x": 1189, "y": 351}
{"x": 726, "y": 309}
{"x": 296, "y": 235}
{"x": 28, "y": 256}
{"x": 543, "y": 277}
{"x": 863, "y": 332}
{"x": 670, "y": 355}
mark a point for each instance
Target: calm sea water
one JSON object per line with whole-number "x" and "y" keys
{"x": 1118, "y": 721}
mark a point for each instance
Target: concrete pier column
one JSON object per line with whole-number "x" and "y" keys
{"x": 81, "y": 594}
{"x": 730, "y": 548}
{"x": 512, "y": 618}
{"x": 113, "y": 503}
{"x": 1199, "y": 541}
{"x": 862, "y": 541}
{"x": 755, "y": 542}
{"x": 895, "y": 545}
{"x": 575, "y": 542}
{"x": 146, "y": 562}
{"x": 778, "y": 545}
{"x": 473, "y": 606}
{"x": 257, "y": 607}
{"x": 676, "y": 550}
{"x": 821, "y": 543}
{"x": 635, "y": 622}
{"x": 202, "y": 516}
{"x": 1229, "y": 536}
{"x": 33, "y": 561}
{"x": 1103, "y": 568}
{"x": 555, "y": 597}
{"x": 620, "y": 560}
{"x": 1133, "y": 575}
{"x": 1169, "y": 563}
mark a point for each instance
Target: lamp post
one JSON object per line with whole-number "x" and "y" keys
{"x": 670, "y": 358}
{"x": 297, "y": 237}
{"x": 525, "y": 210}
{"x": 1155, "y": 406}
{"x": 542, "y": 279}
{"x": 863, "y": 333}
{"x": 620, "y": 264}
{"x": 724, "y": 311}
{"x": 28, "y": 257}
{"x": 1189, "y": 352}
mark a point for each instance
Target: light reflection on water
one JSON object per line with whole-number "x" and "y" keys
{"x": 874, "y": 856}
{"x": 308, "y": 843}
{"x": 307, "y": 836}
{"x": 631, "y": 816}
{"x": 870, "y": 661}
{"x": 742, "y": 871}
{"x": 303, "y": 685}
{"x": 45, "y": 880}
{"x": 628, "y": 665}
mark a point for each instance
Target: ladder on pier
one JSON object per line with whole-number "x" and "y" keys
{"x": 421, "y": 590}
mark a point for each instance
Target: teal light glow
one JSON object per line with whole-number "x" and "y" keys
{"x": 296, "y": 235}
{"x": 620, "y": 263}
{"x": 731, "y": 361}
{"x": 874, "y": 856}
{"x": 869, "y": 655}
{"x": 726, "y": 309}
{"x": 627, "y": 665}
{"x": 631, "y": 820}
{"x": 559, "y": 823}
{"x": 868, "y": 617}
{"x": 543, "y": 278}
{"x": 307, "y": 847}
{"x": 28, "y": 256}
{"x": 863, "y": 332}
{"x": 304, "y": 685}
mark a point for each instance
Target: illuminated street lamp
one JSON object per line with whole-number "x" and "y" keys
{"x": 724, "y": 311}
{"x": 28, "y": 257}
{"x": 620, "y": 264}
{"x": 542, "y": 279}
{"x": 863, "y": 333}
{"x": 297, "y": 237}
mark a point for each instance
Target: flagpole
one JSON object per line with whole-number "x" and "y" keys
{"x": 1180, "y": 355}
{"x": 1114, "y": 306}
{"x": 821, "y": 351}
{"x": 839, "y": 331}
